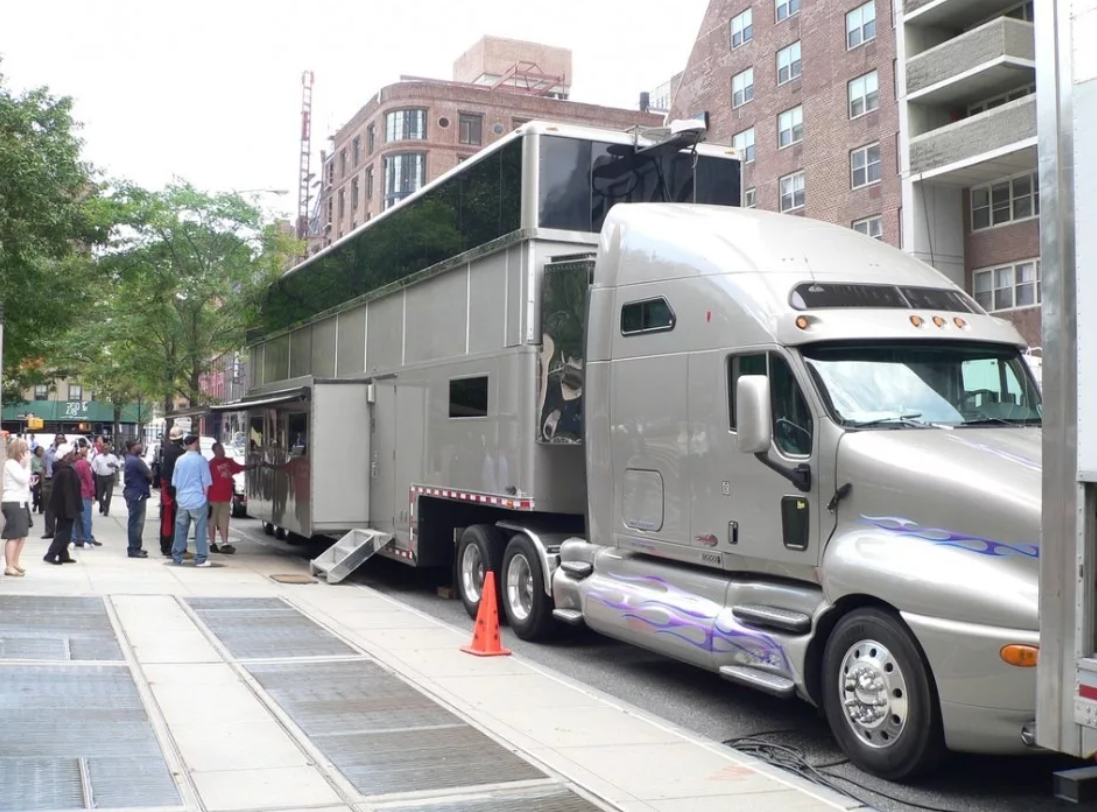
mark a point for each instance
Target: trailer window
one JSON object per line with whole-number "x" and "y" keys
{"x": 255, "y": 435}
{"x": 468, "y": 397}
{"x": 298, "y": 428}
{"x": 648, "y": 316}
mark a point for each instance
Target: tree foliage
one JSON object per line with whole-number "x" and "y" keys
{"x": 51, "y": 216}
{"x": 186, "y": 275}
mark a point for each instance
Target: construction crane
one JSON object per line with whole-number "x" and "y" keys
{"x": 305, "y": 175}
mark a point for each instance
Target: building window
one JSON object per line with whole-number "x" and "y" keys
{"x": 786, "y": 8}
{"x": 471, "y": 129}
{"x": 790, "y": 127}
{"x": 342, "y": 203}
{"x": 744, "y": 144}
{"x": 342, "y": 164}
{"x": 861, "y": 25}
{"x": 999, "y": 100}
{"x": 864, "y": 165}
{"x": 371, "y": 139}
{"x": 369, "y": 183}
{"x": 405, "y": 173}
{"x": 1008, "y": 287}
{"x": 742, "y": 87}
{"x": 468, "y": 397}
{"x": 406, "y": 125}
{"x": 788, "y": 63}
{"x": 76, "y": 393}
{"x": 331, "y": 171}
{"x": 1005, "y": 201}
{"x": 1024, "y": 11}
{"x": 648, "y": 316}
{"x": 354, "y": 194}
{"x": 42, "y": 392}
{"x": 742, "y": 28}
{"x": 864, "y": 94}
{"x": 792, "y": 192}
{"x": 870, "y": 227}
{"x": 356, "y": 148}
{"x": 748, "y": 199}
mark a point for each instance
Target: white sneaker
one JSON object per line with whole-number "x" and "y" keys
{"x": 204, "y": 564}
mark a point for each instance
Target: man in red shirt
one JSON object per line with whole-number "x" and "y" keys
{"x": 222, "y": 469}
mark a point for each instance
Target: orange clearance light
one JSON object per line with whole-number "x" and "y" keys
{"x": 959, "y": 322}
{"x": 917, "y": 321}
{"x": 938, "y": 321}
{"x": 1020, "y": 655}
{"x": 802, "y": 322}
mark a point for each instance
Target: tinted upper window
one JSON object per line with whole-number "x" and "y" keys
{"x": 582, "y": 180}
{"x": 813, "y": 296}
{"x": 477, "y": 205}
{"x": 649, "y": 316}
{"x": 468, "y": 397}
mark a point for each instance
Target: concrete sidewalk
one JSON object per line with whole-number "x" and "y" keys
{"x": 129, "y": 683}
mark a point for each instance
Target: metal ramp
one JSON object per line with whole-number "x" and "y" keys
{"x": 348, "y": 554}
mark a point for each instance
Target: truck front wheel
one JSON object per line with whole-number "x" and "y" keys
{"x": 879, "y": 697}
{"x": 479, "y": 550}
{"x": 527, "y": 607}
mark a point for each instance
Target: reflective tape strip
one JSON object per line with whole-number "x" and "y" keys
{"x": 509, "y": 502}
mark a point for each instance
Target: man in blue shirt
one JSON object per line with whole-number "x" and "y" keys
{"x": 191, "y": 480}
{"x": 136, "y": 490}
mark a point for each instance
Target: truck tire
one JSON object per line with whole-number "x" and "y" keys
{"x": 892, "y": 728}
{"x": 479, "y": 550}
{"x": 527, "y": 607}
{"x": 238, "y": 511}
{"x": 280, "y": 533}
{"x": 268, "y": 529}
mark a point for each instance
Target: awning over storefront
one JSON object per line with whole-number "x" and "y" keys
{"x": 62, "y": 411}
{"x": 266, "y": 399}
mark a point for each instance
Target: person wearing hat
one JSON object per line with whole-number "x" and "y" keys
{"x": 66, "y": 503}
{"x": 170, "y": 454}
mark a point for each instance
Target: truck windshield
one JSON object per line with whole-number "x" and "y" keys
{"x": 903, "y": 385}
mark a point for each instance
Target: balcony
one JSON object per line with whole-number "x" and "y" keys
{"x": 952, "y": 14}
{"x": 988, "y": 60}
{"x": 980, "y": 148}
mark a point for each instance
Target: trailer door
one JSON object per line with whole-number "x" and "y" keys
{"x": 382, "y": 475}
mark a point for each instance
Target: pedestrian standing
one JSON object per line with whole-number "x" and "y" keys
{"x": 222, "y": 470}
{"x": 105, "y": 467}
{"x": 36, "y": 472}
{"x": 47, "y": 483}
{"x": 169, "y": 454}
{"x": 15, "y": 504}
{"x": 191, "y": 480}
{"x": 136, "y": 491}
{"x": 83, "y": 537}
{"x": 65, "y": 505}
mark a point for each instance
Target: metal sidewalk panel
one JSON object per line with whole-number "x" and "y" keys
{"x": 552, "y": 799}
{"x": 265, "y": 629}
{"x": 35, "y": 627}
{"x": 383, "y": 735}
{"x": 348, "y": 554}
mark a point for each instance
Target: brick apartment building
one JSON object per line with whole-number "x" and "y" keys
{"x": 411, "y": 132}
{"x": 968, "y": 111}
{"x": 913, "y": 121}
{"x": 806, "y": 92}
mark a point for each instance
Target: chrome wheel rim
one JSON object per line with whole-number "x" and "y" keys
{"x": 472, "y": 573}
{"x": 520, "y": 587}
{"x": 873, "y": 693}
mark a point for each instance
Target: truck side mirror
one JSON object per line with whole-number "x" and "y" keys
{"x": 752, "y": 414}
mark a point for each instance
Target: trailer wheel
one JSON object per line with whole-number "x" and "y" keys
{"x": 280, "y": 533}
{"x": 238, "y": 510}
{"x": 268, "y": 529}
{"x": 527, "y": 607}
{"x": 879, "y": 696}
{"x": 479, "y": 550}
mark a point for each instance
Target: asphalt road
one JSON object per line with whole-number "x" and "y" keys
{"x": 714, "y": 708}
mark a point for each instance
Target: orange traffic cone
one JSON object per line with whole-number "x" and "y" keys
{"x": 485, "y": 640}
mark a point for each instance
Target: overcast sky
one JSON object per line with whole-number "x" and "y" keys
{"x": 210, "y": 90}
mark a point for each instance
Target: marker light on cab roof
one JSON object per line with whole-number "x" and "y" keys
{"x": 917, "y": 321}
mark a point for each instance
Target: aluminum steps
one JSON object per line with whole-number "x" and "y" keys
{"x": 348, "y": 554}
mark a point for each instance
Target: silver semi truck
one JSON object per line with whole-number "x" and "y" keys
{"x": 771, "y": 447}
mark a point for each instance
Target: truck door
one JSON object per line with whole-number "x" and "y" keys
{"x": 382, "y": 472}
{"x": 749, "y": 516}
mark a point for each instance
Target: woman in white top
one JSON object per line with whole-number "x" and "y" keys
{"x": 15, "y": 504}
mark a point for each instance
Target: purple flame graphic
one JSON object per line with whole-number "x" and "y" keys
{"x": 946, "y": 538}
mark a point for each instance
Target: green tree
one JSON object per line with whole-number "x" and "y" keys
{"x": 51, "y": 216}
{"x": 187, "y": 274}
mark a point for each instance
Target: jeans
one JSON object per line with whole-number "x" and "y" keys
{"x": 81, "y": 531}
{"x": 183, "y": 518}
{"x": 136, "y": 525}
